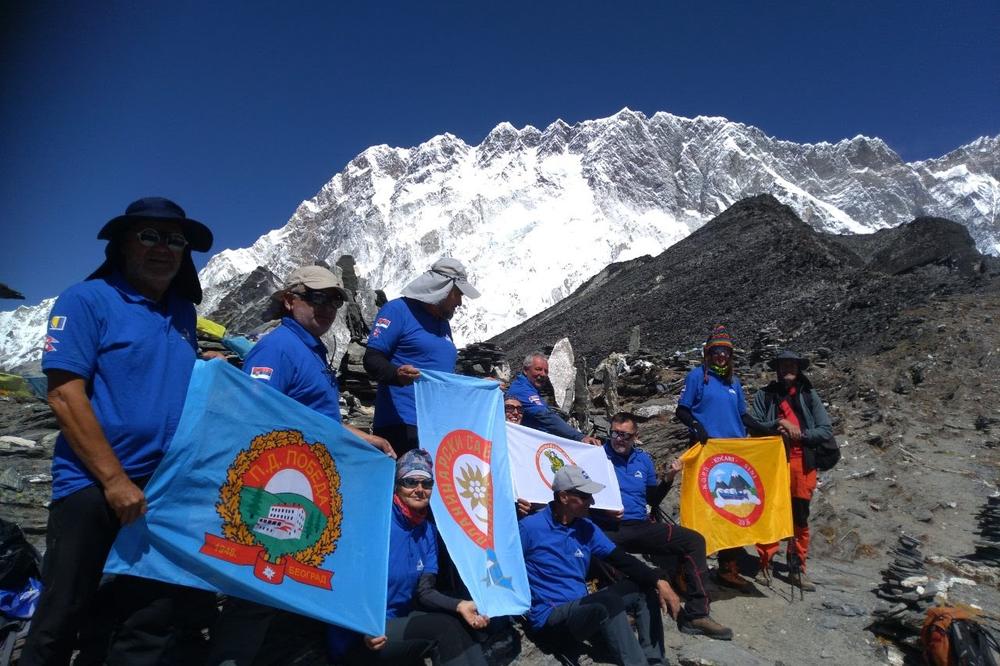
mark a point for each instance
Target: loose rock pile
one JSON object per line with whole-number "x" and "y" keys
{"x": 988, "y": 546}
{"x": 905, "y": 588}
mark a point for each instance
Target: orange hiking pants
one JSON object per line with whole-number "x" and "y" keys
{"x": 803, "y": 486}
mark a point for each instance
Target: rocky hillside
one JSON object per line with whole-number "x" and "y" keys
{"x": 759, "y": 265}
{"x": 901, "y": 326}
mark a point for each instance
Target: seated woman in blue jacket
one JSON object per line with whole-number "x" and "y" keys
{"x": 439, "y": 630}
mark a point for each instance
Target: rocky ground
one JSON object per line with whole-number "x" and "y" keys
{"x": 901, "y": 327}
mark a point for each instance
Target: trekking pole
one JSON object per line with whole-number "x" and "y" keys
{"x": 795, "y": 574}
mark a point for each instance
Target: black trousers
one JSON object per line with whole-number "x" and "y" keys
{"x": 443, "y": 638}
{"x": 679, "y": 546}
{"x": 81, "y": 528}
{"x": 403, "y": 437}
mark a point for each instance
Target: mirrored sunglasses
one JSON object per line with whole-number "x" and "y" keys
{"x": 151, "y": 237}
{"x": 411, "y": 482}
{"x": 621, "y": 434}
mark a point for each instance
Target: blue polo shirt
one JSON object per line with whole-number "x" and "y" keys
{"x": 537, "y": 413}
{"x": 635, "y": 474}
{"x": 293, "y": 361}
{"x": 136, "y": 356}
{"x": 408, "y": 335}
{"x": 717, "y": 405}
{"x": 556, "y": 558}
{"x": 412, "y": 553}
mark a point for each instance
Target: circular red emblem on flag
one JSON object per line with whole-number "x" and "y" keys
{"x": 733, "y": 488}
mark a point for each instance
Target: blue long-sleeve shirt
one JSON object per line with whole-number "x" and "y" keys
{"x": 537, "y": 413}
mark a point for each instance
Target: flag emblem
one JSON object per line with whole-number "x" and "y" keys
{"x": 57, "y": 323}
{"x": 50, "y": 343}
{"x": 463, "y": 476}
{"x": 733, "y": 488}
{"x": 281, "y": 510}
{"x": 549, "y": 459}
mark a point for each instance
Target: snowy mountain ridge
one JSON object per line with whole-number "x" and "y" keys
{"x": 533, "y": 213}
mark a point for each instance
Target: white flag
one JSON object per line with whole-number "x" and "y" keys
{"x": 536, "y": 456}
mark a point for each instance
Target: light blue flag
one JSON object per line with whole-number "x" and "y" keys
{"x": 460, "y": 422}
{"x": 262, "y": 498}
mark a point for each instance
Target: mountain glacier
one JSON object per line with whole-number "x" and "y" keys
{"x": 533, "y": 213}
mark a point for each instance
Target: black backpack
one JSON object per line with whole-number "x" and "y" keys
{"x": 18, "y": 559}
{"x": 827, "y": 454}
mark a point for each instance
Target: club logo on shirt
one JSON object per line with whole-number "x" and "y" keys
{"x": 578, "y": 553}
{"x": 733, "y": 488}
{"x": 549, "y": 459}
{"x": 732, "y": 391}
{"x": 383, "y": 322}
{"x": 57, "y": 323}
{"x": 420, "y": 564}
{"x": 50, "y": 343}
{"x": 281, "y": 510}
{"x": 638, "y": 474}
{"x": 261, "y": 373}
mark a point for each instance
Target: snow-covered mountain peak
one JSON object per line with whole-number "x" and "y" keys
{"x": 534, "y": 213}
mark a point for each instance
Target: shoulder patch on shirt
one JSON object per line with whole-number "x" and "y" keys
{"x": 535, "y": 399}
{"x": 383, "y": 322}
{"x": 50, "y": 343}
{"x": 261, "y": 373}
{"x": 57, "y": 323}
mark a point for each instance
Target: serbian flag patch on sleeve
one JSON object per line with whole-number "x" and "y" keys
{"x": 261, "y": 373}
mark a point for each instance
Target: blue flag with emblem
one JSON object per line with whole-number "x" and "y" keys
{"x": 262, "y": 498}
{"x": 460, "y": 422}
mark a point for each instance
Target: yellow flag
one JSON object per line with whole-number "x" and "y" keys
{"x": 737, "y": 492}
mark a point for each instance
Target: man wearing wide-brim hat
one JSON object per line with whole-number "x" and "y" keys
{"x": 409, "y": 334}
{"x": 789, "y": 406}
{"x": 119, "y": 351}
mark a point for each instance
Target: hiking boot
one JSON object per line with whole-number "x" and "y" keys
{"x": 705, "y": 626}
{"x": 805, "y": 584}
{"x": 730, "y": 577}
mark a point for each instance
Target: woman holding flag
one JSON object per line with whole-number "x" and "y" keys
{"x": 435, "y": 631}
{"x": 712, "y": 405}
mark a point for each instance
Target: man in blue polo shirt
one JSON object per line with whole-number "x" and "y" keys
{"x": 558, "y": 543}
{"x": 537, "y": 413}
{"x": 293, "y": 360}
{"x": 663, "y": 541}
{"x": 119, "y": 351}
{"x": 410, "y": 333}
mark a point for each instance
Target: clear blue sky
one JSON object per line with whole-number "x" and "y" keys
{"x": 239, "y": 111}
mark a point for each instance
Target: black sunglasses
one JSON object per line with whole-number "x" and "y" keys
{"x": 151, "y": 237}
{"x": 410, "y": 482}
{"x": 320, "y": 298}
{"x": 513, "y": 408}
{"x": 621, "y": 434}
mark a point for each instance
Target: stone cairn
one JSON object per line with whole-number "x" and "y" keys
{"x": 906, "y": 594}
{"x": 988, "y": 545}
{"x": 482, "y": 359}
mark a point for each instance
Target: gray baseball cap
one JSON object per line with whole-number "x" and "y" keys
{"x": 572, "y": 477}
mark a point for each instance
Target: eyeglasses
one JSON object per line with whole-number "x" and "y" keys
{"x": 621, "y": 434}
{"x": 321, "y": 298}
{"x": 151, "y": 237}
{"x": 409, "y": 482}
{"x": 512, "y": 409}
